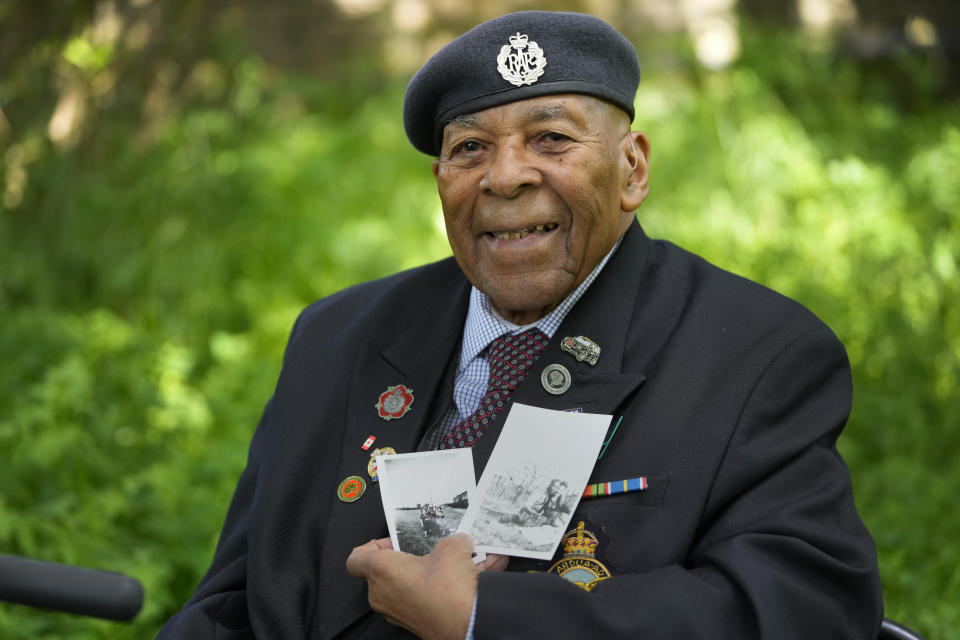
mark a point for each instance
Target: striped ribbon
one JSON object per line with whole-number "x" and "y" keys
{"x": 616, "y": 486}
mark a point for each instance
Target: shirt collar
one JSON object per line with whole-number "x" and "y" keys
{"x": 484, "y": 325}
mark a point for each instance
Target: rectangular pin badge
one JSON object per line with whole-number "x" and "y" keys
{"x": 368, "y": 443}
{"x": 616, "y": 486}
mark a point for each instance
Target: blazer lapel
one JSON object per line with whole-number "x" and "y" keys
{"x": 417, "y": 360}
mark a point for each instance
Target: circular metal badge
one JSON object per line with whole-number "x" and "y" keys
{"x": 555, "y": 379}
{"x": 351, "y": 489}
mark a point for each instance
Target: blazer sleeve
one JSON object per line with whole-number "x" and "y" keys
{"x": 780, "y": 550}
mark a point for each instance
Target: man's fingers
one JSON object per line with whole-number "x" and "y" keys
{"x": 358, "y": 563}
{"x": 494, "y": 562}
{"x": 458, "y": 543}
{"x": 462, "y": 544}
{"x": 374, "y": 545}
{"x": 431, "y": 596}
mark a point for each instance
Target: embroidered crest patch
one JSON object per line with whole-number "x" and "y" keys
{"x": 578, "y": 564}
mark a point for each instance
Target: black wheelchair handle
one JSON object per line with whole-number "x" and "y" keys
{"x": 61, "y": 587}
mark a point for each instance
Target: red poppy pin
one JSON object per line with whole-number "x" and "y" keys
{"x": 394, "y": 402}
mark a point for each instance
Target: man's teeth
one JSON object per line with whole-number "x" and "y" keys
{"x": 517, "y": 235}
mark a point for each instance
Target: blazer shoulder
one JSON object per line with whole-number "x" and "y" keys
{"x": 713, "y": 282}
{"x": 389, "y": 300}
{"x": 723, "y": 309}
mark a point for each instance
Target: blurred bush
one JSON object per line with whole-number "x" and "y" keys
{"x": 151, "y": 271}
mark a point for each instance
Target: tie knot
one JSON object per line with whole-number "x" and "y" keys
{"x": 511, "y": 356}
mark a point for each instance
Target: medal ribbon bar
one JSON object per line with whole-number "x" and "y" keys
{"x": 615, "y": 486}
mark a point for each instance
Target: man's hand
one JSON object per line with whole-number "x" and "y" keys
{"x": 431, "y": 596}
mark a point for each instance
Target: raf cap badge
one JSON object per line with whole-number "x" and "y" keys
{"x": 522, "y": 61}
{"x": 555, "y": 379}
{"x": 582, "y": 348}
{"x": 579, "y": 565}
{"x": 394, "y": 402}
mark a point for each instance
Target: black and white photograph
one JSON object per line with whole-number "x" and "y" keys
{"x": 534, "y": 480}
{"x": 425, "y": 496}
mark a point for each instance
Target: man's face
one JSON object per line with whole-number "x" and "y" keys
{"x": 535, "y": 193}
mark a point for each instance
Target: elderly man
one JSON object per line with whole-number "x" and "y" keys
{"x": 728, "y": 397}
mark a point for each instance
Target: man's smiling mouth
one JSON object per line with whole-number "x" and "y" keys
{"x": 523, "y": 233}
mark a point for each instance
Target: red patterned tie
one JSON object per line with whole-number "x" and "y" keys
{"x": 511, "y": 356}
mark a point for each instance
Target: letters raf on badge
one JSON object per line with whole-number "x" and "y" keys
{"x": 522, "y": 61}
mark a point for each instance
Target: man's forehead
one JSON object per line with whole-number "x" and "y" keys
{"x": 574, "y": 109}
{"x": 531, "y": 112}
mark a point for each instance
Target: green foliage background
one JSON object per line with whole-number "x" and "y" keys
{"x": 148, "y": 281}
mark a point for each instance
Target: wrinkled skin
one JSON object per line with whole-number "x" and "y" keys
{"x": 564, "y": 172}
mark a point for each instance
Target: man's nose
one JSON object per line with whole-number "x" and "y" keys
{"x": 509, "y": 171}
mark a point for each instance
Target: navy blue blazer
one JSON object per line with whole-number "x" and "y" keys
{"x": 732, "y": 398}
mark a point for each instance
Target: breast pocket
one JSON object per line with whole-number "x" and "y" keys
{"x": 628, "y": 527}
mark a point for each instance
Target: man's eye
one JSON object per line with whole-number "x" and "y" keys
{"x": 553, "y": 136}
{"x": 552, "y": 141}
{"x": 468, "y": 146}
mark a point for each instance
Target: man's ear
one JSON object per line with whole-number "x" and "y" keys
{"x": 637, "y": 158}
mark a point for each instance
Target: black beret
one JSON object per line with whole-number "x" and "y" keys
{"x": 517, "y": 56}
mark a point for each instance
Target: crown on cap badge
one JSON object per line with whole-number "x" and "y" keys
{"x": 522, "y": 61}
